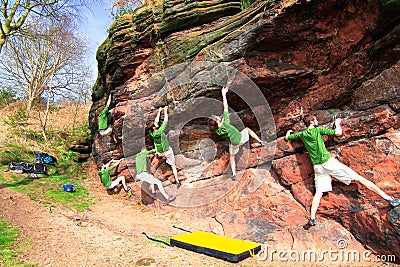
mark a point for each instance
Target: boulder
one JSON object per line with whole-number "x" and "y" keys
{"x": 332, "y": 58}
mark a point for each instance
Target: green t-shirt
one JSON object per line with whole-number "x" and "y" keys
{"x": 141, "y": 163}
{"x": 313, "y": 140}
{"x": 159, "y": 138}
{"x": 105, "y": 176}
{"x": 103, "y": 119}
{"x": 228, "y": 131}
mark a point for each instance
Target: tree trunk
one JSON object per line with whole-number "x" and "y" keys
{"x": 46, "y": 114}
{"x": 30, "y": 103}
{"x": 2, "y": 41}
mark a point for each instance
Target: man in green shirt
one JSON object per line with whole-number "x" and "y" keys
{"x": 144, "y": 176}
{"x": 105, "y": 176}
{"x": 104, "y": 128}
{"x": 161, "y": 144}
{"x": 235, "y": 137}
{"x": 326, "y": 166}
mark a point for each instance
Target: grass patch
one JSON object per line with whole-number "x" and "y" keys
{"x": 20, "y": 139}
{"x": 11, "y": 245}
{"x": 165, "y": 239}
{"x": 48, "y": 190}
{"x": 15, "y": 153}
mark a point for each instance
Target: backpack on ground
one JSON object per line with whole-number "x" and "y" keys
{"x": 45, "y": 158}
{"x": 68, "y": 187}
{"x": 39, "y": 168}
{"x": 20, "y": 167}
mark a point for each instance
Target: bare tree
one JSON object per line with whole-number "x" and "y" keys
{"x": 50, "y": 53}
{"x": 120, "y": 7}
{"x": 14, "y": 14}
{"x": 49, "y": 60}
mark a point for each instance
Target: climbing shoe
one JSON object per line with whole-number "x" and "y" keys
{"x": 263, "y": 143}
{"x": 171, "y": 198}
{"x": 394, "y": 202}
{"x": 311, "y": 222}
{"x": 128, "y": 188}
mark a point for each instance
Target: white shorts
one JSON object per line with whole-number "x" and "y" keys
{"x": 233, "y": 150}
{"x": 332, "y": 168}
{"x": 169, "y": 154}
{"x": 148, "y": 178}
{"x": 106, "y": 131}
{"x": 114, "y": 184}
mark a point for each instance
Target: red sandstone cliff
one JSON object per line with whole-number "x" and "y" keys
{"x": 324, "y": 57}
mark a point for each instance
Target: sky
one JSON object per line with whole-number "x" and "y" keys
{"x": 95, "y": 25}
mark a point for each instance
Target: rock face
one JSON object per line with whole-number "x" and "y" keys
{"x": 331, "y": 57}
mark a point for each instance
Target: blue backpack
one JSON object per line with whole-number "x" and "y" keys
{"x": 45, "y": 158}
{"x": 68, "y": 187}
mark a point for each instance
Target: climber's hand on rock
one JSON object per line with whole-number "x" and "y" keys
{"x": 289, "y": 132}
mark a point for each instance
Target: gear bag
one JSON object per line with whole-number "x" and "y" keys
{"x": 45, "y": 158}
{"x": 21, "y": 167}
{"x": 40, "y": 168}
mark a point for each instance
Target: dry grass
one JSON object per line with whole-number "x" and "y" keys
{"x": 61, "y": 121}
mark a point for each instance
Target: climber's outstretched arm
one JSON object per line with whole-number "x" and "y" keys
{"x": 224, "y": 99}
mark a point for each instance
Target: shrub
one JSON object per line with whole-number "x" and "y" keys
{"x": 18, "y": 121}
{"x": 6, "y": 97}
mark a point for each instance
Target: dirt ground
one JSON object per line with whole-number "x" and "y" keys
{"x": 109, "y": 233}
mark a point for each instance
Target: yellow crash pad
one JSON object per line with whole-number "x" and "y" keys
{"x": 230, "y": 249}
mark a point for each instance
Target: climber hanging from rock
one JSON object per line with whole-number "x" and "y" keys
{"x": 105, "y": 176}
{"x": 326, "y": 166}
{"x": 236, "y": 138}
{"x": 162, "y": 147}
{"x": 103, "y": 127}
{"x": 144, "y": 176}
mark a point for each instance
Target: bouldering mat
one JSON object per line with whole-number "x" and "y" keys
{"x": 230, "y": 249}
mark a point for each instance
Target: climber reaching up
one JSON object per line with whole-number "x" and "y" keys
{"x": 326, "y": 166}
{"x": 103, "y": 127}
{"x": 162, "y": 147}
{"x": 236, "y": 138}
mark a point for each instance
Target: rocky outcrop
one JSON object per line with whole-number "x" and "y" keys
{"x": 81, "y": 146}
{"x": 330, "y": 58}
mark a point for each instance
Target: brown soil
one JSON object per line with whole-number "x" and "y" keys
{"x": 109, "y": 233}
